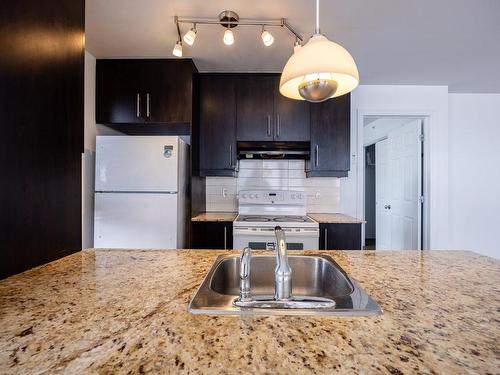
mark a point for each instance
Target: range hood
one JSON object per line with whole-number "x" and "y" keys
{"x": 273, "y": 150}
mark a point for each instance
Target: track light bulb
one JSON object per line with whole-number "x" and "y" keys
{"x": 177, "y": 52}
{"x": 228, "y": 37}
{"x": 296, "y": 46}
{"x": 267, "y": 38}
{"x": 190, "y": 36}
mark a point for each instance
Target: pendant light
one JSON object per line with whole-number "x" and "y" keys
{"x": 319, "y": 70}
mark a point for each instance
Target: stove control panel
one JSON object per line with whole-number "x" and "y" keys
{"x": 271, "y": 197}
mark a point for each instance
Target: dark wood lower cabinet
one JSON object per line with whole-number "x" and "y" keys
{"x": 41, "y": 104}
{"x": 212, "y": 235}
{"x": 340, "y": 236}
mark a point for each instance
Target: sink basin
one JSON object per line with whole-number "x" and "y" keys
{"x": 315, "y": 277}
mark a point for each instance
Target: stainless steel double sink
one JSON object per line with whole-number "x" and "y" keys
{"x": 313, "y": 277}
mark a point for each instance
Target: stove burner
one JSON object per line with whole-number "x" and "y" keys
{"x": 258, "y": 219}
{"x": 293, "y": 219}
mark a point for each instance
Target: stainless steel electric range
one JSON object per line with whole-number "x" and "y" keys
{"x": 260, "y": 211}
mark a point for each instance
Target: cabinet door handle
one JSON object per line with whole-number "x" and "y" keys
{"x": 268, "y": 125}
{"x": 230, "y": 155}
{"x": 148, "y": 106}
{"x": 225, "y": 238}
{"x": 277, "y": 126}
{"x": 138, "y": 105}
{"x": 326, "y": 238}
{"x": 317, "y": 155}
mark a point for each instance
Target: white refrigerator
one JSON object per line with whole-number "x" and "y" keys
{"x": 141, "y": 187}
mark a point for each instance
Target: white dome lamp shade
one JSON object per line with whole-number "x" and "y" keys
{"x": 319, "y": 70}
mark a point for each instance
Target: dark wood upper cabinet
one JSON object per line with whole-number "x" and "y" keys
{"x": 119, "y": 92}
{"x": 157, "y": 91}
{"x": 168, "y": 88}
{"x": 255, "y": 107}
{"x": 263, "y": 114}
{"x": 248, "y": 107}
{"x": 330, "y": 138}
{"x": 217, "y": 125}
{"x": 291, "y": 117}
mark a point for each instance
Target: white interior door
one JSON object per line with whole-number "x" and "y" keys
{"x": 382, "y": 196}
{"x": 405, "y": 174}
{"x": 398, "y": 186}
{"x": 137, "y": 163}
{"x": 135, "y": 220}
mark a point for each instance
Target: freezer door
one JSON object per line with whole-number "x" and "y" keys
{"x": 137, "y": 163}
{"x": 135, "y": 220}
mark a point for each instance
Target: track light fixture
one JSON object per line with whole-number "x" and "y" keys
{"x": 228, "y": 38}
{"x": 296, "y": 45}
{"x": 190, "y": 36}
{"x": 177, "y": 52}
{"x": 229, "y": 20}
{"x": 267, "y": 38}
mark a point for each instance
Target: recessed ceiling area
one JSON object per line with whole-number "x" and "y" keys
{"x": 446, "y": 42}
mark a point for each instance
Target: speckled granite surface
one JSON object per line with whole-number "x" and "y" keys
{"x": 215, "y": 216}
{"x": 335, "y": 219}
{"x": 126, "y": 312}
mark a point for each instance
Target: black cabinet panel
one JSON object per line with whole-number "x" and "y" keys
{"x": 330, "y": 137}
{"x": 291, "y": 119}
{"x": 340, "y": 237}
{"x": 255, "y": 107}
{"x": 168, "y": 88}
{"x": 212, "y": 235}
{"x": 41, "y": 103}
{"x": 217, "y": 125}
{"x": 248, "y": 107}
{"x": 136, "y": 91}
{"x": 119, "y": 98}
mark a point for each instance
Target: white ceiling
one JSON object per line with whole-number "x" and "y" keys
{"x": 424, "y": 42}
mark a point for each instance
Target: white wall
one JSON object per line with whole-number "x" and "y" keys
{"x": 430, "y": 102}
{"x": 91, "y": 129}
{"x": 323, "y": 193}
{"x": 474, "y": 173}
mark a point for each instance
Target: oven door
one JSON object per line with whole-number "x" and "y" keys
{"x": 261, "y": 238}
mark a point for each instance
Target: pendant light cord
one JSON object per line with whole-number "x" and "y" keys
{"x": 316, "y": 31}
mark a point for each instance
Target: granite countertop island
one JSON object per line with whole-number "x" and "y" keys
{"x": 126, "y": 312}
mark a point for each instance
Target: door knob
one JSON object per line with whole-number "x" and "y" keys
{"x": 387, "y": 206}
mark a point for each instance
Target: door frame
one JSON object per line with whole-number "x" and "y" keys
{"x": 410, "y": 114}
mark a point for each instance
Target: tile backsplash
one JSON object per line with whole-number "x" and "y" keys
{"x": 323, "y": 193}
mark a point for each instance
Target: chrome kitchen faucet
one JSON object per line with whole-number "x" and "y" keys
{"x": 282, "y": 272}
